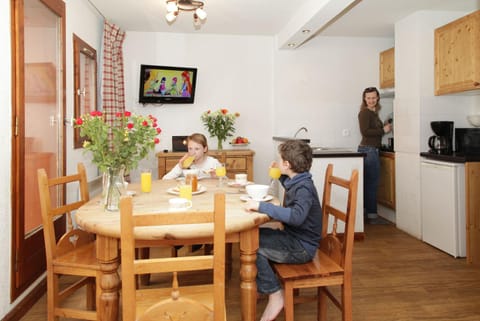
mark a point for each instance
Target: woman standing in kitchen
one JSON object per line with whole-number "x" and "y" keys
{"x": 372, "y": 129}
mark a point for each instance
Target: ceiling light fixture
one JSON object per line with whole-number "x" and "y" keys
{"x": 175, "y": 6}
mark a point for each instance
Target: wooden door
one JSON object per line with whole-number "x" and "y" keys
{"x": 38, "y": 135}
{"x": 472, "y": 189}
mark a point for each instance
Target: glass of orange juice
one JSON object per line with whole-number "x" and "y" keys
{"x": 274, "y": 173}
{"x": 185, "y": 191}
{"x": 221, "y": 172}
{"x": 146, "y": 180}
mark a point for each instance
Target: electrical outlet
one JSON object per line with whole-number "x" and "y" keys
{"x": 345, "y": 132}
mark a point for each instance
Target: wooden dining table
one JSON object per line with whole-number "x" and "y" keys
{"x": 241, "y": 227}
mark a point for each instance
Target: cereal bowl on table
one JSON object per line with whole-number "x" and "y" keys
{"x": 257, "y": 192}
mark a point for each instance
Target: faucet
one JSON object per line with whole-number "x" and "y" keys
{"x": 298, "y": 131}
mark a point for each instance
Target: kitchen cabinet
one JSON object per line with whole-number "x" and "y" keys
{"x": 386, "y": 185}
{"x": 472, "y": 209}
{"x": 236, "y": 161}
{"x": 457, "y": 55}
{"x": 387, "y": 68}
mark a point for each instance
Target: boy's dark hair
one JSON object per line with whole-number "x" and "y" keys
{"x": 298, "y": 154}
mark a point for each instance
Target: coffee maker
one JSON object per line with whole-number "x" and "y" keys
{"x": 442, "y": 141}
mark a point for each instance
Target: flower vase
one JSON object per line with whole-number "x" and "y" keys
{"x": 220, "y": 144}
{"x": 113, "y": 184}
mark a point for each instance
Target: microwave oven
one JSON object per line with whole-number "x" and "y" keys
{"x": 467, "y": 141}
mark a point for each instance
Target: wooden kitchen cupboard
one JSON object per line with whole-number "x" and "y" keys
{"x": 386, "y": 185}
{"x": 387, "y": 68}
{"x": 457, "y": 55}
{"x": 472, "y": 190}
{"x": 236, "y": 161}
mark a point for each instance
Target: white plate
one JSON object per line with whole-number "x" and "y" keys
{"x": 175, "y": 191}
{"x": 248, "y": 198}
{"x": 235, "y": 184}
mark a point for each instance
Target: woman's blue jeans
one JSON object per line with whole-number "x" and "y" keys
{"x": 371, "y": 176}
{"x": 279, "y": 247}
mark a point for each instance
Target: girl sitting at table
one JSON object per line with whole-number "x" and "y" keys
{"x": 195, "y": 158}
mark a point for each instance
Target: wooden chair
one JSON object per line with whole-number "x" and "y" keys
{"x": 74, "y": 253}
{"x": 332, "y": 264}
{"x": 192, "y": 303}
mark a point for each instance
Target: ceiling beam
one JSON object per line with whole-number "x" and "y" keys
{"x": 310, "y": 19}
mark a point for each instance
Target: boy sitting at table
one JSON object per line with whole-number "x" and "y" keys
{"x": 301, "y": 216}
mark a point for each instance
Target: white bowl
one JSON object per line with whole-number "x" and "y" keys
{"x": 257, "y": 192}
{"x": 474, "y": 120}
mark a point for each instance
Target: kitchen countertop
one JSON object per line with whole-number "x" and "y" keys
{"x": 284, "y": 139}
{"x": 454, "y": 158}
{"x": 328, "y": 152}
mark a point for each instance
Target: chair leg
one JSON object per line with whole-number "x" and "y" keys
{"x": 52, "y": 296}
{"x": 346, "y": 302}
{"x": 91, "y": 294}
{"x": 228, "y": 261}
{"x": 288, "y": 302}
{"x": 321, "y": 304}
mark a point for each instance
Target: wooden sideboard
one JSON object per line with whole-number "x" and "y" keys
{"x": 237, "y": 161}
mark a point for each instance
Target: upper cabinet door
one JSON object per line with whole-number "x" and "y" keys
{"x": 387, "y": 68}
{"x": 457, "y": 55}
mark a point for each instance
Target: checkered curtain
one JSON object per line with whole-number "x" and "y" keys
{"x": 87, "y": 99}
{"x": 113, "y": 93}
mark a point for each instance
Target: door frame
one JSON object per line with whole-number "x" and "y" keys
{"x": 19, "y": 243}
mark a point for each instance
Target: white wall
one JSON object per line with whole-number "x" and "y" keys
{"x": 234, "y": 72}
{"x": 416, "y": 106}
{"x": 320, "y": 86}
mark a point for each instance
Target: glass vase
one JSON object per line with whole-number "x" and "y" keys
{"x": 220, "y": 144}
{"x": 113, "y": 185}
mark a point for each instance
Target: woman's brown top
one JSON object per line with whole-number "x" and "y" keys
{"x": 371, "y": 128}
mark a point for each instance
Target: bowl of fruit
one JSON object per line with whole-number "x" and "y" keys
{"x": 239, "y": 141}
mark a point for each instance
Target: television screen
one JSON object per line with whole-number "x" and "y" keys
{"x": 167, "y": 85}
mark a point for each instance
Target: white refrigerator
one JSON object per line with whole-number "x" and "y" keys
{"x": 443, "y": 206}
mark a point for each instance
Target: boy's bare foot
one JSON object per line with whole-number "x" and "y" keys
{"x": 274, "y": 306}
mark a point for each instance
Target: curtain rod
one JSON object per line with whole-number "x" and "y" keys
{"x": 95, "y": 7}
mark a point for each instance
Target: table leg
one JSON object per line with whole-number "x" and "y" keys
{"x": 108, "y": 285}
{"x": 248, "y": 273}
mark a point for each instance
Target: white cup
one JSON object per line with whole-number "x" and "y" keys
{"x": 241, "y": 178}
{"x": 178, "y": 204}
{"x": 257, "y": 192}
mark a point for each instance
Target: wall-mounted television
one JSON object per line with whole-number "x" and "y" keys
{"x": 167, "y": 85}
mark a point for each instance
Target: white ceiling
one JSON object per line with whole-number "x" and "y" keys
{"x": 284, "y": 18}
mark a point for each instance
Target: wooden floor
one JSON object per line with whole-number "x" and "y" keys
{"x": 396, "y": 278}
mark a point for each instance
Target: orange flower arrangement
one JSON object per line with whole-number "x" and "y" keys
{"x": 219, "y": 124}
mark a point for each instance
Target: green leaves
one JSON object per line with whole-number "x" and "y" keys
{"x": 124, "y": 143}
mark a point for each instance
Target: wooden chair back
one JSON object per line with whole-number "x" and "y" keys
{"x": 332, "y": 264}
{"x": 69, "y": 253}
{"x": 199, "y": 302}
{"x": 339, "y": 247}
{"x": 51, "y": 211}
